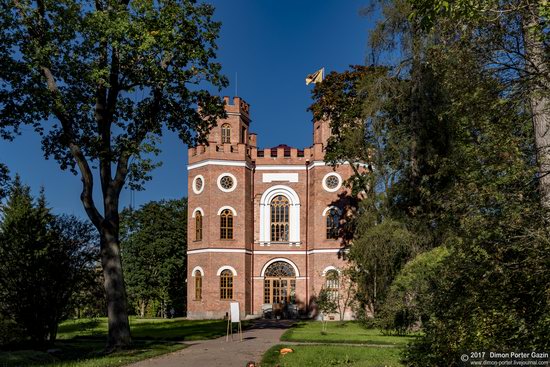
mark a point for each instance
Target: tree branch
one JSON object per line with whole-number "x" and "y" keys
{"x": 68, "y": 137}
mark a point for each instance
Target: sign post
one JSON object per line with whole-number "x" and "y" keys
{"x": 234, "y": 316}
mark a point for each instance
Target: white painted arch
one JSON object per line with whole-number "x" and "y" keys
{"x": 199, "y": 269}
{"x": 199, "y": 209}
{"x": 265, "y": 212}
{"x": 331, "y": 207}
{"x": 329, "y": 268}
{"x": 227, "y": 207}
{"x": 280, "y": 259}
{"x": 226, "y": 267}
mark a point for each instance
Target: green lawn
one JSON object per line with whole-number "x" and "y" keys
{"x": 349, "y": 332}
{"x": 332, "y": 355}
{"x": 81, "y": 342}
{"x": 171, "y": 329}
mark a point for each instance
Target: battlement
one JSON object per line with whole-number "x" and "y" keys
{"x": 234, "y": 142}
{"x": 238, "y": 106}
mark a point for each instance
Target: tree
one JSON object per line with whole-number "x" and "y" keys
{"x": 101, "y": 82}
{"x": 463, "y": 169}
{"x": 511, "y": 38}
{"x": 154, "y": 255}
{"x": 45, "y": 259}
{"x": 4, "y": 180}
{"x": 325, "y": 305}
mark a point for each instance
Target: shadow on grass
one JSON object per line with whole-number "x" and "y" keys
{"x": 87, "y": 352}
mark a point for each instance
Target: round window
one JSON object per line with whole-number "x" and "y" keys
{"x": 198, "y": 184}
{"x": 227, "y": 182}
{"x": 332, "y": 182}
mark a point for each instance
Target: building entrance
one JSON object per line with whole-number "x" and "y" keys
{"x": 280, "y": 289}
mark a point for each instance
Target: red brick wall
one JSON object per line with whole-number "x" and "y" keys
{"x": 249, "y": 256}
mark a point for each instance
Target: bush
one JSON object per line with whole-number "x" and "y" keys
{"x": 409, "y": 297}
{"x": 10, "y": 332}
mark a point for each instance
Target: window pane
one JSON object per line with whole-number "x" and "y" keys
{"x": 279, "y": 219}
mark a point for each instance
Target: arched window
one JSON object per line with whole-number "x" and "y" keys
{"x": 333, "y": 223}
{"x": 280, "y": 283}
{"x": 280, "y": 209}
{"x": 226, "y": 225}
{"x": 332, "y": 283}
{"x": 226, "y": 284}
{"x": 198, "y": 226}
{"x": 198, "y": 285}
{"x": 226, "y": 133}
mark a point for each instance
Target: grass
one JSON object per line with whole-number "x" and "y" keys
{"x": 87, "y": 353}
{"x": 349, "y": 332}
{"x": 332, "y": 355}
{"x": 171, "y": 329}
{"x": 81, "y": 342}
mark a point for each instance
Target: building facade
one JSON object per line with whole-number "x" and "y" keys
{"x": 263, "y": 225}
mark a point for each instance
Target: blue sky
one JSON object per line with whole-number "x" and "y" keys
{"x": 271, "y": 45}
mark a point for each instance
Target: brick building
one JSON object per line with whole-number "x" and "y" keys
{"x": 263, "y": 223}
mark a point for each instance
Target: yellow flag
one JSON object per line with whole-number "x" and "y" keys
{"x": 316, "y": 77}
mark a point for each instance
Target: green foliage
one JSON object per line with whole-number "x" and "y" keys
{"x": 325, "y": 303}
{"x": 44, "y": 260}
{"x": 154, "y": 245}
{"x": 101, "y": 82}
{"x": 379, "y": 252}
{"x": 455, "y": 166}
{"x": 4, "y": 180}
{"x": 412, "y": 292}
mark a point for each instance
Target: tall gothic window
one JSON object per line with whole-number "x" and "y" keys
{"x": 280, "y": 208}
{"x": 226, "y": 284}
{"x": 332, "y": 284}
{"x": 333, "y": 224}
{"x": 198, "y": 285}
{"x": 198, "y": 226}
{"x": 226, "y": 225}
{"x": 226, "y": 133}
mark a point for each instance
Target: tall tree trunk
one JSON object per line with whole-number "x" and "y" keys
{"x": 119, "y": 327}
{"x": 537, "y": 69}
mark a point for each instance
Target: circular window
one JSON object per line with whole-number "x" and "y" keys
{"x": 198, "y": 184}
{"x": 332, "y": 182}
{"x": 227, "y": 182}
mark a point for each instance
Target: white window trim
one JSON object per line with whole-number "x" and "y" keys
{"x": 227, "y": 207}
{"x": 234, "y": 182}
{"x": 265, "y": 213}
{"x": 199, "y": 209}
{"x": 296, "y": 272}
{"x": 339, "y": 182}
{"x": 227, "y": 267}
{"x": 194, "y": 181}
{"x": 199, "y": 269}
{"x": 329, "y": 268}
{"x": 329, "y": 208}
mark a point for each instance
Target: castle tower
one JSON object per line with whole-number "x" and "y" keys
{"x": 219, "y": 214}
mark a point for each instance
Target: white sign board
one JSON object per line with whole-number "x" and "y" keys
{"x": 234, "y": 312}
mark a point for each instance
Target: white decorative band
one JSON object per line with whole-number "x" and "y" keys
{"x": 263, "y": 252}
{"x": 219, "y": 162}
{"x": 264, "y": 167}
